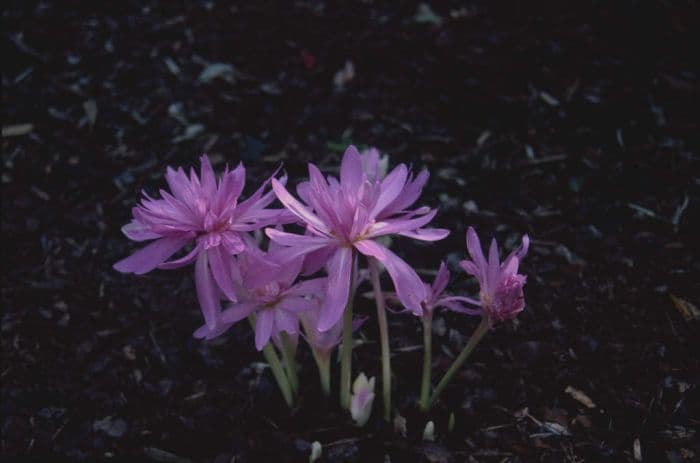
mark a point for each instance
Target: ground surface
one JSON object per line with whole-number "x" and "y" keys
{"x": 575, "y": 124}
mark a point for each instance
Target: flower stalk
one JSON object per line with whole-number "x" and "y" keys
{"x": 277, "y": 371}
{"x": 288, "y": 354}
{"x": 346, "y": 353}
{"x": 324, "y": 372}
{"x": 427, "y": 360}
{"x": 476, "y": 337}
{"x": 383, "y": 336}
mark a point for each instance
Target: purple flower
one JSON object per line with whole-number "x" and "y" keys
{"x": 199, "y": 210}
{"x": 436, "y": 296}
{"x": 346, "y": 214}
{"x": 267, "y": 290}
{"x": 501, "y": 286}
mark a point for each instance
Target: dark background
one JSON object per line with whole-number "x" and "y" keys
{"x": 575, "y": 122}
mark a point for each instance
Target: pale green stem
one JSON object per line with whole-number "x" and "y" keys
{"x": 427, "y": 360}
{"x": 477, "y": 335}
{"x": 288, "y": 353}
{"x": 346, "y": 353}
{"x": 383, "y": 336}
{"x": 277, "y": 371}
{"x": 323, "y": 362}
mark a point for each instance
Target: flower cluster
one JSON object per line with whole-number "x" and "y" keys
{"x": 302, "y": 282}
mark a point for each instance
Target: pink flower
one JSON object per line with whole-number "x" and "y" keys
{"x": 436, "y": 297}
{"x": 501, "y": 286}
{"x": 348, "y": 214}
{"x": 267, "y": 289}
{"x": 199, "y": 210}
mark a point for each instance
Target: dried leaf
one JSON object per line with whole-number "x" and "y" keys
{"x": 580, "y": 396}
{"x": 344, "y": 76}
{"x": 549, "y": 99}
{"x": 688, "y": 310}
{"x": 190, "y": 132}
{"x": 90, "y": 107}
{"x": 17, "y": 130}
{"x": 426, "y": 15}
{"x": 217, "y": 70}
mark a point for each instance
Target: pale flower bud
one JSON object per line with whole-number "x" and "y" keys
{"x": 362, "y": 399}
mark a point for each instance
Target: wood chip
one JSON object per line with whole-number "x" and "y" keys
{"x": 688, "y": 310}
{"x": 17, "y": 130}
{"x": 580, "y": 396}
{"x": 90, "y": 107}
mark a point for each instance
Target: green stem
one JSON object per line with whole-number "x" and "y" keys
{"x": 346, "y": 353}
{"x": 277, "y": 370}
{"x": 478, "y": 334}
{"x": 288, "y": 353}
{"x": 427, "y": 360}
{"x": 323, "y": 362}
{"x": 383, "y": 336}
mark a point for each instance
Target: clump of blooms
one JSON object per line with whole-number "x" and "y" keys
{"x": 334, "y": 226}
{"x": 207, "y": 213}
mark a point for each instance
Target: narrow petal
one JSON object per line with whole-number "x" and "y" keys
{"x": 297, "y": 208}
{"x": 409, "y": 287}
{"x": 207, "y": 292}
{"x": 137, "y": 231}
{"x": 311, "y": 287}
{"x": 182, "y": 261}
{"x": 146, "y": 259}
{"x": 338, "y": 289}
{"x": 297, "y": 304}
{"x": 477, "y": 255}
{"x": 493, "y": 267}
{"x": 410, "y": 193}
{"x": 291, "y": 239}
{"x": 314, "y": 261}
{"x": 392, "y": 226}
{"x": 204, "y": 332}
{"x": 286, "y": 321}
{"x": 208, "y": 177}
{"x": 471, "y": 268}
{"x": 236, "y": 312}
{"x": 456, "y": 306}
{"x": 441, "y": 279}
{"x": 427, "y": 234}
{"x": 351, "y": 172}
{"x": 390, "y": 189}
{"x": 263, "y": 328}
{"x": 220, "y": 264}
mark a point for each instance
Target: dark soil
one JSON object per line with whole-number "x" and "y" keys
{"x": 575, "y": 123}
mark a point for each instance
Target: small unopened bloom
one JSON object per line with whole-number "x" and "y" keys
{"x": 350, "y": 213}
{"x": 501, "y": 286}
{"x": 199, "y": 210}
{"x": 362, "y": 399}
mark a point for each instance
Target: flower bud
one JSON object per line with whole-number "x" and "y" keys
{"x": 362, "y": 399}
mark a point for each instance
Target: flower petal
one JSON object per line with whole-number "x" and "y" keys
{"x": 338, "y": 289}
{"x": 427, "y": 234}
{"x": 138, "y": 231}
{"x": 146, "y": 259}
{"x": 207, "y": 292}
{"x": 263, "y": 327}
{"x": 351, "y": 173}
{"x": 391, "y": 226}
{"x": 220, "y": 264}
{"x": 409, "y": 287}
{"x": 441, "y": 280}
{"x": 286, "y": 321}
{"x": 477, "y": 255}
{"x": 297, "y": 208}
{"x": 182, "y": 261}
{"x": 237, "y": 311}
{"x": 390, "y": 189}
